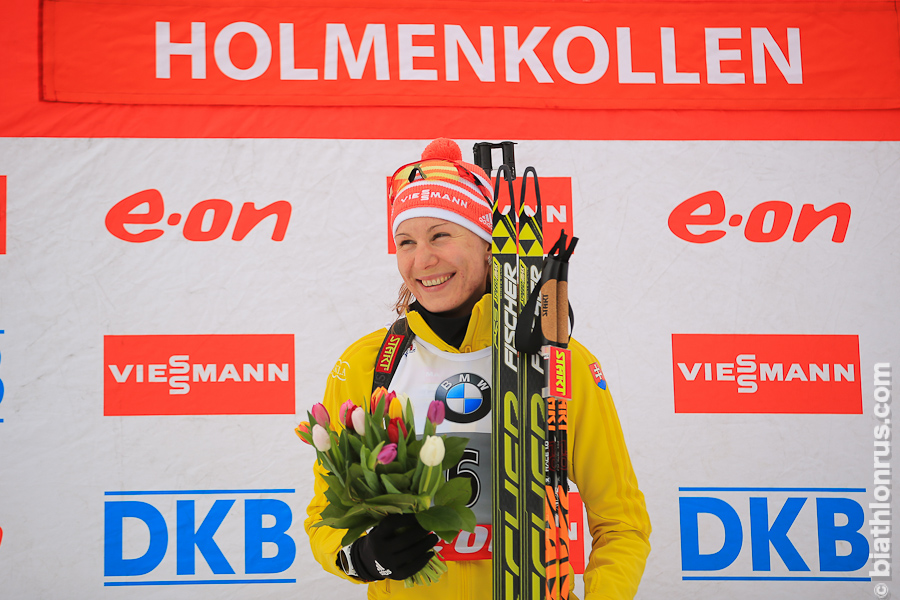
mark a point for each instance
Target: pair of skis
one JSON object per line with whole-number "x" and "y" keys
{"x": 530, "y": 393}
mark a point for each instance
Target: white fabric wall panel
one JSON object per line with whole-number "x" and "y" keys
{"x": 66, "y": 282}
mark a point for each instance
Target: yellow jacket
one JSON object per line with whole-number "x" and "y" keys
{"x": 598, "y": 464}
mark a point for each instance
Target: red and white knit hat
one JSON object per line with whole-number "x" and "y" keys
{"x": 441, "y": 185}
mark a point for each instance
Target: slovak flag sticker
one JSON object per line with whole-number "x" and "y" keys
{"x": 597, "y": 372}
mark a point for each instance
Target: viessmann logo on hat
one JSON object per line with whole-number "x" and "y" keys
{"x": 746, "y": 373}
{"x": 198, "y": 374}
{"x": 556, "y": 201}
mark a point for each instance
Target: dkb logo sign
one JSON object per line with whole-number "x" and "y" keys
{"x": 197, "y": 537}
{"x": 803, "y": 534}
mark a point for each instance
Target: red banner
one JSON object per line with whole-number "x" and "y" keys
{"x": 583, "y": 55}
{"x": 744, "y": 373}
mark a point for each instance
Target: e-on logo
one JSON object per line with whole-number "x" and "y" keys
{"x": 467, "y": 397}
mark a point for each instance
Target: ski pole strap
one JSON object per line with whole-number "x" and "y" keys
{"x": 398, "y": 339}
{"x": 548, "y": 325}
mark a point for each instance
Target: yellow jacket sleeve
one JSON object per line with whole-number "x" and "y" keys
{"x": 601, "y": 468}
{"x": 350, "y": 379}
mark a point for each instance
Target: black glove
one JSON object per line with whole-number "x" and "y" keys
{"x": 397, "y": 548}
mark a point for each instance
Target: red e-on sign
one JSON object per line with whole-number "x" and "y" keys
{"x": 747, "y": 373}
{"x": 198, "y": 374}
{"x": 130, "y": 211}
{"x": 708, "y": 209}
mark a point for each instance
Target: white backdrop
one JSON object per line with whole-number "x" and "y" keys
{"x": 66, "y": 282}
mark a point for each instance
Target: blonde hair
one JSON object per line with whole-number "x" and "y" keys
{"x": 404, "y": 299}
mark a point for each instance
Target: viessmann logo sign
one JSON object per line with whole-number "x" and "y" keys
{"x": 198, "y": 374}
{"x": 747, "y": 373}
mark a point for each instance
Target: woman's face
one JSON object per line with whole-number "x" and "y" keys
{"x": 443, "y": 264}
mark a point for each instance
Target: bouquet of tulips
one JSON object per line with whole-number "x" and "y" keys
{"x": 377, "y": 466}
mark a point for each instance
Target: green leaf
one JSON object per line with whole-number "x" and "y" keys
{"x": 372, "y": 481}
{"x": 359, "y": 491}
{"x": 382, "y": 510}
{"x": 373, "y": 457}
{"x": 467, "y": 517}
{"x": 347, "y": 522}
{"x": 371, "y": 432}
{"x": 456, "y": 491}
{"x": 390, "y": 468}
{"x": 356, "y": 445}
{"x": 412, "y": 450}
{"x": 447, "y": 536}
{"x": 401, "y": 450}
{"x": 405, "y": 501}
{"x": 409, "y": 417}
{"x": 336, "y": 450}
{"x": 357, "y": 488}
{"x": 379, "y": 412}
{"x": 354, "y": 534}
{"x": 353, "y": 473}
{"x": 334, "y": 511}
{"x": 417, "y": 475}
{"x": 454, "y": 447}
{"x": 439, "y": 518}
{"x": 390, "y": 487}
{"x": 400, "y": 482}
{"x": 333, "y": 496}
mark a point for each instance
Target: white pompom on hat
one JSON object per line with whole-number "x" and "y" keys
{"x": 443, "y": 186}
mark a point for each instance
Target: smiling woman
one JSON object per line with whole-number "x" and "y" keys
{"x": 445, "y": 266}
{"x": 439, "y": 350}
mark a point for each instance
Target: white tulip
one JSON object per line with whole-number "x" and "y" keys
{"x": 322, "y": 441}
{"x": 358, "y": 418}
{"x": 432, "y": 452}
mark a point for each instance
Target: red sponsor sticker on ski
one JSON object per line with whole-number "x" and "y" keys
{"x": 559, "y": 372}
{"x": 477, "y": 545}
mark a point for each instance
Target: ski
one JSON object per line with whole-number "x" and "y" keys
{"x": 505, "y": 401}
{"x": 546, "y": 335}
{"x": 531, "y": 386}
{"x": 530, "y": 246}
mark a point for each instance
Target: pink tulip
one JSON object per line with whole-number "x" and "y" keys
{"x": 387, "y": 454}
{"x": 320, "y": 414}
{"x": 343, "y": 412}
{"x": 436, "y": 412}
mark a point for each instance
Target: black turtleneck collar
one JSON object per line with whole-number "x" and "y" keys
{"x": 450, "y": 329}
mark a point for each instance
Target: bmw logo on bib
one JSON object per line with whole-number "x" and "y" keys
{"x": 466, "y": 396}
